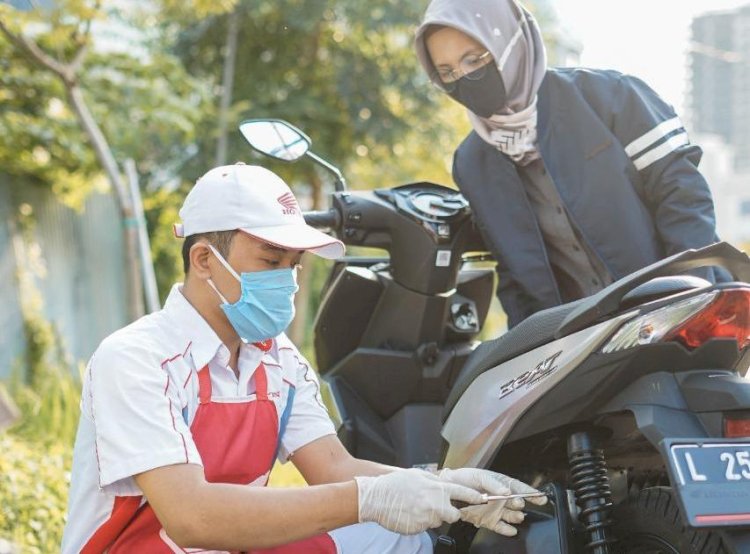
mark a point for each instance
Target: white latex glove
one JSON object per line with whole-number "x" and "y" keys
{"x": 410, "y": 501}
{"x": 497, "y": 514}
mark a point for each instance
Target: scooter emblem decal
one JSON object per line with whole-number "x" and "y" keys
{"x": 544, "y": 369}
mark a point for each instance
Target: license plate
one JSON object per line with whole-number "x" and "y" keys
{"x": 712, "y": 480}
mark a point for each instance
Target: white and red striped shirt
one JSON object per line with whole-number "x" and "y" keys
{"x": 140, "y": 394}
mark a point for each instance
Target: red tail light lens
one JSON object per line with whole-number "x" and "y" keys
{"x": 737, "y": 426}
{"x": 728, "y": 316}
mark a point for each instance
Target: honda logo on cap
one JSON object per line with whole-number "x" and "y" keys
{"x": 289, "y": 203}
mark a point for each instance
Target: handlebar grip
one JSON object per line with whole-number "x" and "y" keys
{"x": 322, "y": 219}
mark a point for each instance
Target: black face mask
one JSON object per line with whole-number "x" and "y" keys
{"x": 484, "y": 96}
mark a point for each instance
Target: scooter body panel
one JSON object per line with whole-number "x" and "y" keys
{"x": 486, "y": 413}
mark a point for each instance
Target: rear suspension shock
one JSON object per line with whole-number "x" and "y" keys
{"x": 589, "y": 481}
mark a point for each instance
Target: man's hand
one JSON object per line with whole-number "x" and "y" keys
{"x": 497, "y": 514}
{"x": 410, "y": 501}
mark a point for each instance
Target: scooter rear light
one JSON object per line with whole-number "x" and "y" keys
{"x": 727, "y": 317}
{"x": 737, "y": 425}
{"x": 691, "y": 322}
{"x": 653, "y": 326}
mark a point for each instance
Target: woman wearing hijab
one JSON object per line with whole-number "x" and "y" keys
{"x": 576, "y": 177}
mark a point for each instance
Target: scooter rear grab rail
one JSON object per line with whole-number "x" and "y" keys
{"x": 607, "y": 301}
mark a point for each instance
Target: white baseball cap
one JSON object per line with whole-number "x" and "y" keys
{"x": 252, "y": 199}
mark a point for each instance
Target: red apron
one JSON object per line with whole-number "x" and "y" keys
{"x": 237, "y": 442}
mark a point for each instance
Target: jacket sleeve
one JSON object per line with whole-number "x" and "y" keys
{"x": 673, "y": 189}
{"x": 515, "y": 302}
{"x": 513, "y": 299}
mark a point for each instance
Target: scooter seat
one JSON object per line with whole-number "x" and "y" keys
{"x": 661, "y": 287}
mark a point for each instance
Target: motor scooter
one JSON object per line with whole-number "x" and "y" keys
{"x": 629, "y": 408}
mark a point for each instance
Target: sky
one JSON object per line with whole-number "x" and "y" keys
{"x": 646, "y": 38}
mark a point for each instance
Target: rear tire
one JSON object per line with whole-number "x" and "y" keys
{"x": 650, "y": 523}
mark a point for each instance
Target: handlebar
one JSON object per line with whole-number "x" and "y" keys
{"x": 324, "y": 219}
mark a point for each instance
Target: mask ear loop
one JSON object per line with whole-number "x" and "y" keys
{"x": 210, "y": 282}
{"x": 224, "y": 263}
{"x": 228, "y": 268}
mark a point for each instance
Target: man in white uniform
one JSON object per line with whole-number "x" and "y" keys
{"x": 184, "y": 411}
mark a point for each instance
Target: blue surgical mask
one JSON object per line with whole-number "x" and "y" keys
{"x": 266, "y": 306}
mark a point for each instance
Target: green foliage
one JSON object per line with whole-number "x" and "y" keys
{"x": 143, "y": 99}
{"x": 148, "y": 109}
{"x": 39, "y": 135}
{"x": 36, "y": 460}
{"x": 49, "y": 408}
{"x": 37, "y": 451}
{"x": 161, "y": 209}
{"x": 343, "y": 71}
{"x": 33, "y": 494}
{"x": 182, "y": 10}
{"x": 317, "y": 270}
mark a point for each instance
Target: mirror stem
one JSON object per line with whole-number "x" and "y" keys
{"x": 340, "y": 181}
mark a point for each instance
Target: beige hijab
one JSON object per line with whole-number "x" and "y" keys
{"x": 511, "y": 34}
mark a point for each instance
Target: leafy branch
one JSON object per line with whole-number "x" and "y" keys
{"x": 69, "y": 73}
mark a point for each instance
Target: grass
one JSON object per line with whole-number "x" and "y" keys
{"x": 285, "y": 475}
{"x": 33, "y": 493}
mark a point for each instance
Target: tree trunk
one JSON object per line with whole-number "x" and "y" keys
{"x": 230, "y": 60}
{"x": 150, "y": 289}
{"x": 130, "y": 231}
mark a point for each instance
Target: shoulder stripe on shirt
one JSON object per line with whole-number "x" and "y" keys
{"x": 656, "y": 154}
{"x": 174, "y": 425}
{"x": 169, "y": 400}
{"x": 653, "y": 136}
{"x": 318, "y": 395}
{"x": 91, "y": 407}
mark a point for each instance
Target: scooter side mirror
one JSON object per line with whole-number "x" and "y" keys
{"x": 275, "y": 138}
{"x": 281, "y": 140}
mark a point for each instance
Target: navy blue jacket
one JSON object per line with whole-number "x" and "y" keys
{"x": 624, "y": 169}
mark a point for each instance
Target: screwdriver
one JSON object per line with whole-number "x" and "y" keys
{"x": 489, "y": 498}
{"x": 486, "y": 498}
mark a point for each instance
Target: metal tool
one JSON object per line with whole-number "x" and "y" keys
{"x": 489, "y": 498}
{"x": 486, "y": 498}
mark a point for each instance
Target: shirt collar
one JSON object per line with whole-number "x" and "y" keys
{"x": 204, "y": 342}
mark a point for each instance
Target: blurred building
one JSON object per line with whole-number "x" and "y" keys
{"x": 718, "y": 100}
{"x": 719, "y": 79}
{"x": 563, "y": 48}
{"x": 730, "y": 188}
